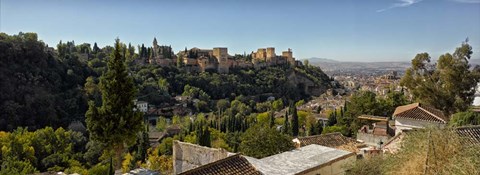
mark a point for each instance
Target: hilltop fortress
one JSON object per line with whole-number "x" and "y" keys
{"x": 216, "y": 59}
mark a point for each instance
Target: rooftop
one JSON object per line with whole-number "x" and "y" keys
{"x": 419, "y": 111}
{"x": 332, "y": 140}
{"x": 300, "y": 160}
{"x": 235, "y": 164}
{"x": 470, "y": 133}
{"x": 372, "y": 117}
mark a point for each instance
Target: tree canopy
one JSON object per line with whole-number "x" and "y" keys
{"x": 448, "y": 85}
{"x": 39, "y": 88}
{"x": 261, "y": 142}
{"x": 115, "y": 123}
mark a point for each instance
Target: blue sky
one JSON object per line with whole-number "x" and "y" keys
{"x": 345, "y": 30}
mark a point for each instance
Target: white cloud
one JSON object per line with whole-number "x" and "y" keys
{"x": 467, "y": 1}
{"x": 406, "y": 3}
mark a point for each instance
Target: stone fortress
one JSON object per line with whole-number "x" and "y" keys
{"x": 217, "y": 59}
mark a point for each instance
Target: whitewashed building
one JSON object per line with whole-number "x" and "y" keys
{"x": 141, "y": 106}
{"x": 417, "y": 116}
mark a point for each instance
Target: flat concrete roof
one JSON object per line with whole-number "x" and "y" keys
{"x": 298, "y": 160}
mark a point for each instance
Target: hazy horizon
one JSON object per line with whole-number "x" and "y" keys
{"x": 367, "y": 31}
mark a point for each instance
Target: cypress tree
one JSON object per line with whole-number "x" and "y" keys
{"x": 312, "y": 130}
{"x": 272, "y": 118}
{"x": 319, "y": 127}
{"x": 294, "y": 121}
{"x": 115, "y": 123}
{"x": 286, "y": 125}
{"x": 95, "y": 48}
{"x": 332, "y": 119}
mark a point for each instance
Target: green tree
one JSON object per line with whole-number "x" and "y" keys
{"x": 299, "y": 103}
{"x": 163, "y": 85}
{"x": 259, "y": 142}
{"x": 295, "y": 125}
{"x": 319, "y": 127}
{"x": 335, "y": 128}
{"x": 392, "y": 100}
{"x": 465, "y": 118}
{"x": 448, "y": 85}
{"x": 286, "y": 124}
{"x": 96, "y": 49}
{"x": 115, "y": 123}
{"x": 203, "y": 136}
{"x": 179, "y": 61}
{"x": 277, "y": 105}
{"x": 332, "y": 119}
{"x": 362, "y": 102}
{"x": 271, "y": 116}
{"x": 161, "y": 124}
{"x": 222, "y": 105}
{"x": 166, "y": 147}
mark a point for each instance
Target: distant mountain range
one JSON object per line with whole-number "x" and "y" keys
{"x": 315, "y": 60}
{"x": 321, "y": 60}
{"x": 330, "y": 65}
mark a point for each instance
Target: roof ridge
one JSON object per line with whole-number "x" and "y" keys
{"x": 208, "y": 165}
{"x": 468, "y": 126}
{"x": 434, "y": 115}
{"x": 321, "y": 135}
{"x": 411, "y": 106}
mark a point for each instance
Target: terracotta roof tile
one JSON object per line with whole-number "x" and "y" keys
{"x": 470, "y": 133}
{"x": 332, "y": 140}
{"x": 418, "y": 111}
{"x": 231, "y": 165}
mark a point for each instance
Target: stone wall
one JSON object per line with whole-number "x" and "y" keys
{"x": 372, "y": 140}
{"x": 187, "y": 156}
{"x": 270, "y": 53}
{"x": 407, "y": 124}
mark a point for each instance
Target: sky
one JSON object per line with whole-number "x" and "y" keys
{"x": 343, "y": 30}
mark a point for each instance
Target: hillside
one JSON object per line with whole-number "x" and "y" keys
{"x": 38, "y": 88}
{"x": 42, "y": 86}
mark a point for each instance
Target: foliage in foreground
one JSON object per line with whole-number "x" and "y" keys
{"x": 465, "y": 118}
{"x": 24, "y": 152}
{"x": 430, "y": 151}
{"x": 261, "y": 142}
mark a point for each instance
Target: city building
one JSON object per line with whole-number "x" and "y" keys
{"x": 141, "y": 106}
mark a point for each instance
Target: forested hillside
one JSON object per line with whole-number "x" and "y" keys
{"x": 38, "y": 88}
{"x": 47, "y": 86}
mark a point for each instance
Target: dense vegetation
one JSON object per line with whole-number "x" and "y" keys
{"x": 43, "y": 87}
{"x": 49, "y": 89}
{"x": 345, "y": 119}
{"x": 38, "y": 87}
{"x": 448, "y": 85}
{"x": 115, "y": 123}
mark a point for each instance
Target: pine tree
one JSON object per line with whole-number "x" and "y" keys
{"x": 115, "y": 123}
